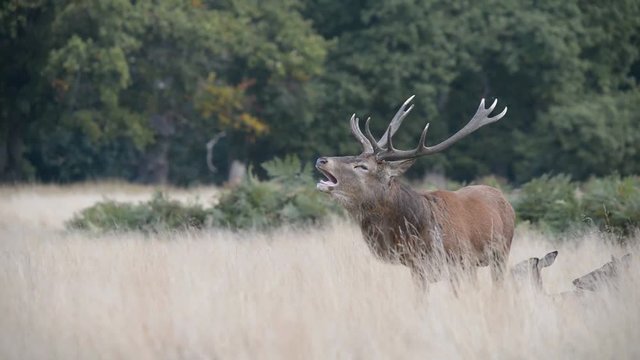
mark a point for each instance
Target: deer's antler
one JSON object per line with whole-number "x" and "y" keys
{"x": 369, "y": 144}
{"x": 384, "y": 150}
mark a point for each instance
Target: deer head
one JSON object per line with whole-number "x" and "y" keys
{"x": 529, "y": 270}
{"x": 603, "y": 276}
{"x": 364, "y": 178}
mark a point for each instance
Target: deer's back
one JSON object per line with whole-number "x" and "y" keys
{"x": 474, "y": 217}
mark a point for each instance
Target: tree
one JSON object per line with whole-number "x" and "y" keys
{"x": 534, "y": 56}
{"x": 593, "y": 137}
{"x": 23, "y": 45}
{"x": 133, "y": 79}
{"x": 135, "y": 89}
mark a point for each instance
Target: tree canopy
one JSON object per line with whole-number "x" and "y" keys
{"x": 135, "y": 89}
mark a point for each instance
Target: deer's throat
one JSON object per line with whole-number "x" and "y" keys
{"x": 399, "y": 206}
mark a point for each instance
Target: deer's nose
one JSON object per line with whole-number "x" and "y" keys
{"x": 321, "y": 161}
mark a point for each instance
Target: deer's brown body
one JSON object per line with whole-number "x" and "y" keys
{"x": 425, "y": 231}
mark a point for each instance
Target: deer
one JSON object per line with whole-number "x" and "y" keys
{"x": 604, "y": 276}
{"x": 428, "y": 232}
{"x": 528, "y": 271}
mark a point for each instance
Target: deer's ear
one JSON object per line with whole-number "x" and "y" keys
{"x": 548, "y": 259}
{"x": 397, "y": 168}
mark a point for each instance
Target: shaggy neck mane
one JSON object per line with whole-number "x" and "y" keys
{"x": 395, "y": 208}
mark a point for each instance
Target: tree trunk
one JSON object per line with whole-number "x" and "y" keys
{"x": 4, "y": 144}
{"x": 11, "y": 152}
{"x": 237, "y": 172}
{"x": 154, "y": 168}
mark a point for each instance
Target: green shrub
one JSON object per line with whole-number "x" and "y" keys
{"x": 289, "y": 196}
{"x": 157, "y": 214}
{"x": 550, "y": 202}
{"x": 613, "y": 203}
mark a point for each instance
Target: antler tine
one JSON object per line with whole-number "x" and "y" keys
{"x": 397, "y": 120}
{"x": 485, "y": 119}
{"x": 499, "y": 116}
{"x": 493, "y": 105}
{"x": 372, "y": 140}
{"x": 423, "y": 136}
{"x": 480, "y": 119}
{"x": 367, "y": 147}
{"x": 389, "y": 139}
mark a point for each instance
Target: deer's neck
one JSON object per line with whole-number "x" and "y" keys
{"x": 398, "y": 222}
{"x": 399, "y": 209}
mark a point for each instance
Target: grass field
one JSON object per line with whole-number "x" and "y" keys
{"x": 290, "y": 293}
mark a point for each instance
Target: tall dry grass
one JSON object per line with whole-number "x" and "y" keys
{"x": 291, "y": 293}
{"x": 51, "y": 205}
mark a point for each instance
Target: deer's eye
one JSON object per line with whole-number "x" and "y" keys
{"x": 361, "y": 167}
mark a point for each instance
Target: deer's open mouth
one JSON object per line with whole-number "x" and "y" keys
{"x": 326, "y": 184}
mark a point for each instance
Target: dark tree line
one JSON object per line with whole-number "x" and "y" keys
{"x": 135, "y": 89}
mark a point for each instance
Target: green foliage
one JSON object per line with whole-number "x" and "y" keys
{"x": 157, "y": 214}
{"x": 289, "y": 171}
{"x": 595, "y": 136}
{"x": 136, "y": 77}
{"x": 549, "y": 201}
{"x": 289, "y": 197}
{"x": 135, "y": 72}
{"x": 610, "y": 203}
{"x": 613, "y": 203}
{"x": 530, "y": 55}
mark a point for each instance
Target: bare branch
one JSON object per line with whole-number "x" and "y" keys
{"x": 210, "y": 144}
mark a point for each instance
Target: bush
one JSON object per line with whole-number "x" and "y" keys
{"x": 289, "y": 196}
{"x": 157, "y": 214}
{"x": 550, "y": 202}
{"x": 613, "y": 203}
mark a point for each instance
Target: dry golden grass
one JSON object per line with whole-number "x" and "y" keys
{"x": 51, "y": 205}
{"x": 291, "y": 293}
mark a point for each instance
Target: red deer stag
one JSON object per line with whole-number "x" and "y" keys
{"x": 425, "y": 231}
